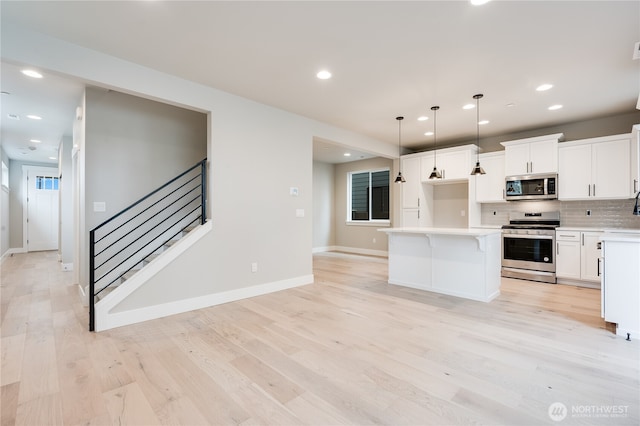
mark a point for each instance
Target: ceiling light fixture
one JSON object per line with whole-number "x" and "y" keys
{"x": 479, "y": 2}
{"x": 554, "y": 107}
{"x": 53, "y": 158}
{"x": 435, "y": 173}
{"x": 35, "y": 140}
{"x": 483, "y": 122}
{"x": 323, "y": 75}
{"x": 34, "y": 117}
{"x": 469, "y": 106}
{"x": 544, "y": 87}
{"x": 32, "y": 73}
{"x": 428, "y": 134}
{"x": 347, "y": 154}
{"x": 477, "y": 170}
{"x": 423, "y": 118}
{"x": 400, "y": 178}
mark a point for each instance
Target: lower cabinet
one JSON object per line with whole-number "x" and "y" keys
{"x": 620, "y": 290}
{"x": 578, "y": 255}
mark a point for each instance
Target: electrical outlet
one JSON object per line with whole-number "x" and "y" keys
{"x": 588, "y": 212}
{"x": 254, "y": 267}
{"x": 374, "y": 241}
{"x": 494, "y": 213}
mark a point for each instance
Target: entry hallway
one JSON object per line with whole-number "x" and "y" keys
{"x": 349, "y": 349}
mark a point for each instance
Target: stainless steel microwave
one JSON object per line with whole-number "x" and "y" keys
{"x": 531, "y": 187}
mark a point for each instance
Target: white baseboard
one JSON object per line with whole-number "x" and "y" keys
{"x": 109, "y": 320}
{"x": 66, "y": 266}
{"x": 323, "y": 249}
{"x": 11, "y": 251}
{"x": 366, "y": 252}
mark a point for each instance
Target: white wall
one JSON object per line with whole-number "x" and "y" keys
{"x": 66, "y": 235}
{"x": 323, "y": 206}
{"x": 256, "y": 153}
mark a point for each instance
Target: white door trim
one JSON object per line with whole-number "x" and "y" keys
{"x": 26, "y": 170}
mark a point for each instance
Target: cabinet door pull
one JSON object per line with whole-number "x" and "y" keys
{"x": 594, "y": 189}
{"x": 557, "y": 249}
{"x": 418, "y": 214}
{"x": 635, "y": 185}
{"x": 589, "y": 190}
{"x": 598, "y": 259}
{"x": 418, "y": 201}
{"x": 582, "y": 239}
{"x": 531, "y": 171}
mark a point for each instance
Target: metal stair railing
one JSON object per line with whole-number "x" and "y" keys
{"x": 124, "y": 241}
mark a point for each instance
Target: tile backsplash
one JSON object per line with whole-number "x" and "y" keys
{"x": 604, "y": 213}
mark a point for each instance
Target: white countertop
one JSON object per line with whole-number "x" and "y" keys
{"x": 473, "y": 232}
{"x": 596, "y": 229}
{"x": 620, "y": 236}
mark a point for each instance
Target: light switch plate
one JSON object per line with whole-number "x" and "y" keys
{"x": 299, "y": 212}
{"x": 99, "y": 206}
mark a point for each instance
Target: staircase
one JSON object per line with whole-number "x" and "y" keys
{"x": 125, "y": 244}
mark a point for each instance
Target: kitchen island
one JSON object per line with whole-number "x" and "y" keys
{"x": 455, "y": 261}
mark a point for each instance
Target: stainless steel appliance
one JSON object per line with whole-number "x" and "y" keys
{"x": 528, "y": 246}
{"x": 531, "y": 187}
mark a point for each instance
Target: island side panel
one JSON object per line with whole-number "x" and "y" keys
{"x": 460, "y": 266}
{"x": 410, "y": 260}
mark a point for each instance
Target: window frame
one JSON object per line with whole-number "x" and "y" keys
{"x": 368, "y": 222}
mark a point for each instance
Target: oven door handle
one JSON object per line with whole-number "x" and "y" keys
{"x": 529, "y": 237}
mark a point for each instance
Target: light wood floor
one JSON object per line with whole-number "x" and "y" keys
{"x": 349, "y": 349}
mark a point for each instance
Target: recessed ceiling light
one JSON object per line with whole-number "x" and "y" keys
{"x": 469, "y": 106}
{"x": 554, "y": 107}
{"x": 347, "y": 154}
{"x": 478, "y": 2}
{"x": 510, "y": 104}
{"x": 423, "y": 118}
{"x": 34, "y": 117}
{"x": 32, "y": 73}
{"x": 35, "y": 140}
{"x": 544, "y": 87}
{"x": 323, "y": 75}
{"x": 483, "y": 122}
{"x": 53, "y": 158}
{"x": 428, "y": 134}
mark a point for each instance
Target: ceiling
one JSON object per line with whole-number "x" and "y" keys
{"x": 388, "y": 58}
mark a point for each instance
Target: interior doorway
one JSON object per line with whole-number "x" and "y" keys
{"x": 40, "y": 212}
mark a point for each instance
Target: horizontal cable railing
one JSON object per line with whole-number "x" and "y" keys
{"x": 129, "y": 238}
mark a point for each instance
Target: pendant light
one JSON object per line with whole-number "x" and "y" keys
{"x": 400, "y": 178}
{"x": 477, "y": 170}
{"x": 435, "y": 173}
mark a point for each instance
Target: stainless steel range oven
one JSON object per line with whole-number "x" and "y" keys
{"x": 528, "y": 246}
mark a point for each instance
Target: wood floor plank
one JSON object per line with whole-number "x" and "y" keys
{"x": 127, "y": 405}
{"x": 349, "y": 349}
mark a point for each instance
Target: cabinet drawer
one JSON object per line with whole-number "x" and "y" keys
{"x": 568, "y": 235}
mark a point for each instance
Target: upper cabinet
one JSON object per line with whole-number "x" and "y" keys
{"x": 597, "y": 168}
{"x": 411, "y": 192}
{"x": 454, "y": 164}
{"x": 490, "y": 186}
{"x": 635, "y": 159}
{"x": 532, "y": 155}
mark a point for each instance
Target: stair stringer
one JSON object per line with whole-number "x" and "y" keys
{"x": 103, "y": 316}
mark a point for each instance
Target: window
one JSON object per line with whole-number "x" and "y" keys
{"x": 47, "y": 183}
{"x": 368, "y": 196}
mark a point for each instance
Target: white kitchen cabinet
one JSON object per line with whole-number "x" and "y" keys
{"x": 635, "y": 160}
{"x": 410, "y": 218}
{"x": 620, "y": 283}
{"x": 590, "y": 253}
{"x": 411, "y": 189}
{"x": 578, "y": 255}
{"x": 597, "y": 168}
{"x": 532, "y": 155}
{"x": 490, "y": 186}
{"x": 454, "y": 164}
{"x": 568, "y": 254}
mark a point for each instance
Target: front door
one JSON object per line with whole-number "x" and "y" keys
{"x": 41, "y": 219}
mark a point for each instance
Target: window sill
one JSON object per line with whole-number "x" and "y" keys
{"x": 376, "y": 223}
